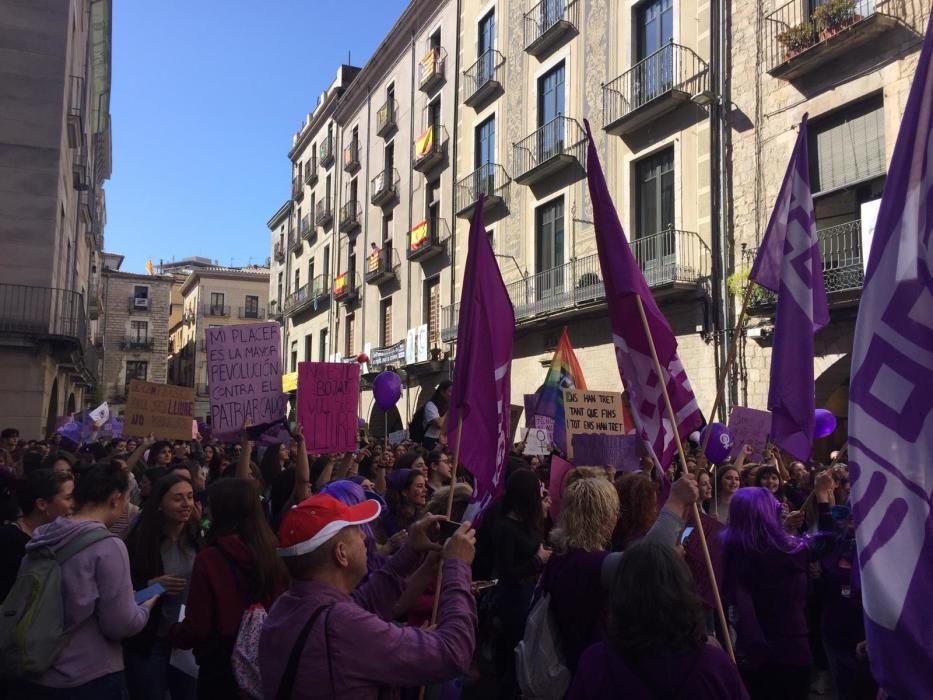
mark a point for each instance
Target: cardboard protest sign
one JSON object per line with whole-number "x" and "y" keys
{"x": 290, "y": 382}
{"x": 165, "y": 411}
{"x": 601, "y": 413}
{"x": 617, "y": 451}
{"x": 749, "y": 426}
{"x": 397, "y": 437}
{"x": 559, "y": 469}
{"x": 537, "y": 441}
{"x": 244, "y": 376}
{"x": 327, "y": 401}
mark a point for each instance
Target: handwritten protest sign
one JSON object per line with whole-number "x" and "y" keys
{"x": 537, "y": 441}
{"x": 327, "y": 400}
{"x": 617, "y": 451}
{"x": 163, "y": 410}
{"x": 244, "y": 376}
{"x": 749, "y": 427}
{"x": 597, "y": 412}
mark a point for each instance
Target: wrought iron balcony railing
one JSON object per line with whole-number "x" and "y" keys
{"x": 135, "y": 344}
{"x": 346, "y": 287}
{"x": 324, "y": 212}
{"x": 351, "y": 214}
{"x": 351, "y": 156}
{"x": 215, "y": 310}
{"x": 315, "y": 295}
{"x": 311, "y": 171}
{"x": 557, "y": 144}
{"x": 75, "y": 122}
{"x": 382, "y": 266}
{"x": 255, "y": 312}
{"x": 298, "y": 190}
{"x": 326, "y": 152}
{"x": 490, "y": 180}
{"x": 305, "y": 226}
{"x": 550, "y": 22}
{"x": 386, "y": 118}
{"x": 431, "y": 69}
{"x": 43, "y": 313}
{"x": 427, "y": 239}
{"x": 430, "y": 148}
{"x": 484, "y": 78}
{"x": 385, "y": 188}
{"x": 278, "y": 252}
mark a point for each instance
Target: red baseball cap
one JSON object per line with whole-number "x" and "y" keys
{"x": 315, "y": 520}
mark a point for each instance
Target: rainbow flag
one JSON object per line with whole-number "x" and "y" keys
{"x": 564, "y": 373}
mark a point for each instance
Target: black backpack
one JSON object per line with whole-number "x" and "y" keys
{"x": 416, "y": 426}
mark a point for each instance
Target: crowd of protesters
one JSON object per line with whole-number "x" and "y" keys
{"x": 296, "y": 575}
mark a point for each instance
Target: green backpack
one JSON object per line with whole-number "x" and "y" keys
{"x": 32, "y": 618}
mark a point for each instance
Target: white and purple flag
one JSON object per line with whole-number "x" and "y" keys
{"x": 789, "y": 263}
{"x": 624, "y": 282}
{"x": 482, "y": 370}
{"x": 891, "y": 410}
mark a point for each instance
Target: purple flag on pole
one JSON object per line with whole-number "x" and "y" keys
{"x": 624, "y": 281}
{"x": 891, "y": 410}
{"x": 482, "y": 370}
{"x": 788, "y": 262}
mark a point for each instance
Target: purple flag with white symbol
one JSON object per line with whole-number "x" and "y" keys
{"x": 891, "y": 410}
{"x": 482, "y": 370}
{"x": 624, "y": 282}
{"x": 789, "y": 263}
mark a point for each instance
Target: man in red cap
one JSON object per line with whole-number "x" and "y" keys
{"x": 326, "y": 637}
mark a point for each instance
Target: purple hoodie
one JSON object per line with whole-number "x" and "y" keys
{"x": 99, "y": 606}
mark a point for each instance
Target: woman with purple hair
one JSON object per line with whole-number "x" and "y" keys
{"x": 765, "y": 581}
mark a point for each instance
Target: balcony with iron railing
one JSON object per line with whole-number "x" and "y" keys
{"x": 86, "y": 207}
{"x": 79, "y": 170}
{"x": 656, "y": 85}
{"x": 137, "y": 344}
{"x": 489, "y": 180}
{"x": 431, "y": 148}
{"x": 43, "y": 314}
{"x": 326, "y": 152}
{"x": 254, "y": 312}
{"x": 386, "y": 118}
{"x": 351, "y": 156}
{"x": 139, "y": 304}
{"x": 75, "y": 122}
{"x": 483, "y": 79}
{"x": 428, "y": 239}
{"x": 351, "y": 215}
{"x": 275, "y": 311}
{"x": 314, "y": 296}
{"x": 385, "y": 188}
{"x": 324, "y": 212}
{"x": 298, "y": 190}
{"x": 843, "y": 266}
{"x": 215, "y": 310}
{"x": 294, "y": 240}
{"x": 431, "y": 69}
{"x": 798, "y": 41}
{"x": 382, "y": 266}
{"x": 306, "y": 226}
{"x": 278, "y": 252}
{"x": 311, "y": 171}
{"x": 549, "y": 23}
{"x": 671, "y": 261}
{"x": 557, "y": 145}
{"x": 346, "y": 287}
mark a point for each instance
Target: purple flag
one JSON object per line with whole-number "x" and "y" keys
{"x": 482, "y": 370}
{"x": 891, "y": 410}
{"x": 624, "y": 282}
{"x": 788, "y": 262}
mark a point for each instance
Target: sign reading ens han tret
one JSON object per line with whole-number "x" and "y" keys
{"x": 244, "y": 370}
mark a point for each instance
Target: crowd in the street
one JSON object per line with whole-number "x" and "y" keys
{"x": 199, "y": 569}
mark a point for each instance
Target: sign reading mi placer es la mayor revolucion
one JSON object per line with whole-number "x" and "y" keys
{"x": 244, "y": 370}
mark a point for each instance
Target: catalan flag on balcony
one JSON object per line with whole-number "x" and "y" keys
{"x": 427, "y": 67}
{"x": 340, "y": 284}
{"x": 149, "y": 267}
{"x": 564, "y": 373}
{"x": 418, "y": 236}
{"x": 425, "y": 143}
{"x": 372, "y": 262}
{"x": 348, "y": 155}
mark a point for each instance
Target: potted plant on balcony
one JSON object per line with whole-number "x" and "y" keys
{"x": 833, "y": 16}
{"x": 796, "y": 39}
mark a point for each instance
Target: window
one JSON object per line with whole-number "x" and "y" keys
{"x": 349, "y": 348}
{"x": 252, "y": 307}
{"x": 297, "y": 281}
{"x": 322, "y": 350}
{"x": 279, "y": 290}
{"x": 485, "y": 44}
{"x": 387, "y": 229}
{"x": 654, "y": 208}
{"x": 549, "y": 246}
{"x": 550, "y": 107}
{"x": 311, "y": 271}
{"x": 326, "y": 275}
{"x": 351, "y": 197}
{"x": 351, "y": 264}
{"x": 217, "y": 304}
{"x": 432, "y": 212}
{"x": 847, "y": 147}
{"x": 140, "y": 292}
{"x": 139, "y": 332}
{"x": 435, "y": 40}
{"x": 327, "y": 199}
{"x": 313, "y": 155}
{"x": 294, "y": 358}
{"x": 655, "y": 32}
{"x": 385, "y": 325}
{"x": 434, "y": 119}
{"x": 309, "y": 346}
{"x": 432, "y": 311}
{"x": 136, "y": 369}
{"x": 484, "y": 155}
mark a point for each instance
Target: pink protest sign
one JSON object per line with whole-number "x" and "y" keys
{"x": 244, "y": 375}
{"x": 559, "y": 469}
{"x": 327, "y": 404}
{"x": 749, "y": 427}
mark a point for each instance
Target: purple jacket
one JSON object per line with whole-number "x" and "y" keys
{"x": 99, "y": 606}
{"x": 707, "y": 674}
{"x": 369, "y": 655}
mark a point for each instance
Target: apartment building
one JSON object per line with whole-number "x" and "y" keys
{"x": 215, "y": 297}
{"x": 133, "y": 334}
{"x": 850, "y": 70}
{"x": 54, "y": 159}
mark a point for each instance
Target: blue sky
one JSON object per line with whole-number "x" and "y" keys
{"x": 205, "y": 98}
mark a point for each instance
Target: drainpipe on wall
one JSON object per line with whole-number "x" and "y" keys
{"x": 452, "y": 246}
{"x": 411, "y": 202}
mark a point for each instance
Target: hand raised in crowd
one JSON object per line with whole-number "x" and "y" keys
{"x": 298, "y": 434}
{"x": 684, "y": 491}
{"x": 823, "y": 486}
{"x": 462, "y": 544}
{"x": 149, "y": 441}
{"x": 396, "y": 541}
{"x": 420, "y": 533}
{"x": 793, "y": 521}
{"x": 173, "y": 584}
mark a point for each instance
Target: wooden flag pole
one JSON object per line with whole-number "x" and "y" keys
{"x": 450, "y": 510}
{"x": 730, "y": 358}
{"x": 683, "y": 463}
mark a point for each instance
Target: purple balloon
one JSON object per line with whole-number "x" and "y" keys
{"x": 824, "y": 423}
{"x": 387, "y": 389}
{"x": 720, "y": 442}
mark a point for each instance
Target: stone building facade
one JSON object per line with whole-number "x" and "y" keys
{"x": 133, "y": 333}
{"x": 54, "y": 160}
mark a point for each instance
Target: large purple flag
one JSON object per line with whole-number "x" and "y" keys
{"x": 482, "y": 370}
{"x": 789, "y": 263}
{"x": 624, "y": 282}
{"x": 891, "y": 410}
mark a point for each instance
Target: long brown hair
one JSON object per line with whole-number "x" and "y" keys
{"x": 638, "y": 509}
{"x": 236, "y": 510}
{"x": 144, "y": 543}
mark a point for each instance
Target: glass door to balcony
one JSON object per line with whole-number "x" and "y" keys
{"x": 484, "y": 157}
{"x": 485, "y": 45}
{"x": 550, "y": 107}
{"x": 654, "y": 235}
{"x": 655, "y": 26}
{"x": 552, "y": 11}
{"x": 549, "y": 249}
